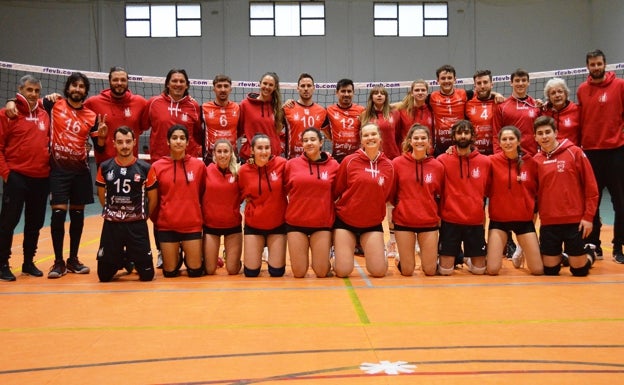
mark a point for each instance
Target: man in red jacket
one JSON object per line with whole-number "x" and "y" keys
{"x": 24, "y": 167}
{"x": 601, "y": 100}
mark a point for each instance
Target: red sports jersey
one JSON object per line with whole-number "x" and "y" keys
{"x": 71, "y": 128}
{"x": 299, "y": 117}
{"x": 162, "y": 112}
{"x": 221, "y": 123}
{"x": 345, "y": 129}
{"x": 221, "y": 201}
{"x": 126, "y": 189}
{"x": 480, "y": 114}
{"x": 421, "y": 115}
{"x": 568, "y": 121}
{"x": 520, "y": 113}
{"x": 24, "y": 141}
{"x": 447, "y": 109}
{"x": 124, "y": 111}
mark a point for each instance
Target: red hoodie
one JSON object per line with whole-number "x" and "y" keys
{"x": 24, "y": 141}
{"x": 568, "y": 121}
{"x": 417, "y": 185}
{"x": 520, "y": 113}
{"x": 124, "y": 111}
{"x": 512, "y": 194}
{"x": 421, "y": 115}
{"x": 221, "y": 200}
{"x": 602, "y": 113}
{"x": 181, "y": 185}
{"x": 263, "y": 190}
{"x": 465, "y": 186}
{"x": 161, "y": 113}
{"x": 567, "y": 187}
{"x": 309, "y": 186}
{"x": 257, "y": 117}
{"x": 362, "y": 189}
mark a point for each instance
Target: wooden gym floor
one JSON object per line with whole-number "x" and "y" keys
{"x": 463, "y": 329}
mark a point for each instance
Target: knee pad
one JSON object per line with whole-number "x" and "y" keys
{"x": 171, "y": 274}
{"x": 277, "y": 271}
{"x": 251, "y": 272}
{"x": 552, "y": 270}
{"x": 194, "y": 273}
{"x": 477, "y": 270}
{"x": 581, "y": 271}
{"x": 145, "y": 273}
{"x": 445, "y": 270}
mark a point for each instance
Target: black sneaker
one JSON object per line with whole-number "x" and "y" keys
{"x": 599, "y": 254}
{"x": 75, "y": 266}
{"x": 511, "y": 249}
{"x": 565, "y": 262}
{"x": 29, "y": 268}
{"x": 6, "y": 274}
{"x": 590, "y": 250}
{"x": 618, "y": 257}
{"x": 58, "y": 269}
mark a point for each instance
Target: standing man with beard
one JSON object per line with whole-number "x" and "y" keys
{"x": 466, "y": 176}
{"x": 220, "y": 116}
{"x": 71, "y": 187}
{"x": 601, "y": 100}
{"x": 479, "y": 111}
{"x": 120, "y": 107}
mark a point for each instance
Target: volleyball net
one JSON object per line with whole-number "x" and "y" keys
{"x": 53, "y": 80}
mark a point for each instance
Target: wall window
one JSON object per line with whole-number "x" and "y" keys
{"x": 411, "y": 19}
{"x": 163, "y": 20}
{"x": 293, "y": 18}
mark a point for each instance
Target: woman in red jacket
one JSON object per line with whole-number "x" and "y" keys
{"x": 363, "y": 186}
{"x": 417, "y": 186}
{"x": 181, "y": 180}
{"x": 512, "y": 194}
{"x": 261, "y": 183}
{"x": 309, "y": 182}
{"x": 221, "y": 210}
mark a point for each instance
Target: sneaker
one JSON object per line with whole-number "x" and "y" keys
{"x": 511, "y": 249}
{"x": 265, "y": 254}
{"x": 57, "y": 270}
{"x": 75, "y": 266}
{"x": 391, "y": 249}
{"x": 159, "y": 261}
{"x": 518, "y": 258}
{"x": 358, "y": 250}
{"x": 417, "y": 247}
{"x": 618, "y": 257}
{"x": 29, "y": 268}
{"x": 590, "y": 250}
{"x": 599, "y": 255}
{"x": 128, "y": 265}
{"x": 565, "y": 262}
{"x": 6, "y": 274}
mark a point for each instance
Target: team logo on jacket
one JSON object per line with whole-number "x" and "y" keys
{"x": 123, "y": 171}
{"x": 274, "y": 176}
{"x": 190, "y": 176}
{"x": 381, "y": 181}
{"x": 211, "y": 114}
{"x": 603, "y": 98}
{"x": 184, "y": 117}
{"x": 523, "y": 177}
{"x": 41, "y": 126}
{"x": 567, "y": 122}
{"x": 428, "y": 178}
{"x": 127, "y": 112}
{"x": 324, "y": 175}
{"x": 475, "y": 173}
{"x": 231, "y": 179}
{"x": 532, "y": 113}
{"x": 110, "y": 175}
{"x": 561, "y": 165}
{"x": 137, "y": 177}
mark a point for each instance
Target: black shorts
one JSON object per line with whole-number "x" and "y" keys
{"x": 77, "y": 189}
{"x": 121, "y": 239}
{"x": 223, "y": 232}
{"x": 552, "y": 236}
{"x": 417, "y": 230}
{"x": 452, "y": 235}
{"x": 517, "y": 227}
{"x": 174, "y": 236}
{"x": 339, "y": 224}
{"x": 306, "y": 230}
{"x": 279, "y": 230}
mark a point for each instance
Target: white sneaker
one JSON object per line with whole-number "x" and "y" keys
{"x": 518, "y": 257}
{"x": 417, "y": 247}
{"x": 391, "y": 249}
{"x": 265, "y": 254}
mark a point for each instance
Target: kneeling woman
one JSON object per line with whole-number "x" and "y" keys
{"x": 310, "y": 214}
{"x": 362, "y": 188}
{"x": 181, "y": 180}
{"x": 513, "y": 189}
{"x": 417, "y": 186}
{"x": 221, "y": 209}
{"x": 261, "y": 183}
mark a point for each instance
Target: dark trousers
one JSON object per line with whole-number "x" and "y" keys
{"x": 18, "y": 193}
{"x": 608, "y": 166}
